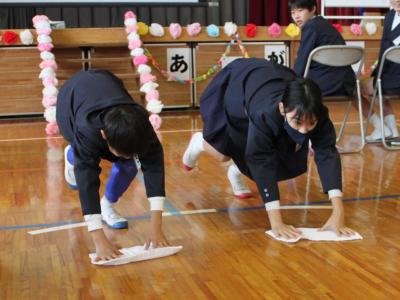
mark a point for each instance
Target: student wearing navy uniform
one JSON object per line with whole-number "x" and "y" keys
{"x": 316, "y": 32}
{"x": 262, "y": 116}
{"x": 100, "y": 120}
{"x": 390, "y": 77}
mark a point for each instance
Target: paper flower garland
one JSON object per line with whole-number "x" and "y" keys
{"x": 48, "y": 73}
{"x": 10, "y": 37}
{"x": 250, "y": 30}
{"x": 175, "y": 30}
{"x": 230, "y": 28}
{"x": 274, "y": 30}
{"x": 338, "y": 27}
{"x": 356, "y": 29}
{"x": 292, "y": 30}
{"x": 156, "y": 30}
{"x": 147, "y": 80}
{"x": 193, "y": 29}
{"x": 371, "y": 28}
{"x": 26, "y": 37}
{"x": 213, "y": 30}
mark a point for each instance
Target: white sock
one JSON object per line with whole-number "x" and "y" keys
{"x": 376, "y": 134}
{"x": 239, "y": 187}
{"x": 390, "y": 121}
{"x": 105, "y": 204}
{"x": 193, "y": 150}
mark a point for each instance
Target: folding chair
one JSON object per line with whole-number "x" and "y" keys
{"x": 393, "y": 55}
{"x": 342, "y": 56}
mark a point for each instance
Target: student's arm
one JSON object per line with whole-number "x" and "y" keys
{"x": 307, "y": 44}
{"x": 329, "y": 167}
{"x": 87, "y": 171}
{"x": 152, "y": 164}
{"x": 261, "y": 159}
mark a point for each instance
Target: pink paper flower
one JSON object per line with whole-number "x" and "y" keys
{"x": 356, "y": 29}
{"x": 48, "y": 64}
{"x": 155, "y": 121}
{"x": 48, "y": 101}
{"x": 175, "y": 30}
{"x": 274, "y": 30}
{"x": 193, "y": 29}
{"x": 135, "y": 44}
{"x": 52, "y": 129}
{"x": 39, "y": 18}
{"x": 130, "y": 15}
{"x": 50, "y": 81}
{"x": 153, "y": 94}
{"x": 147, "y": 78}
{"x": 131, "y": 28}
{"x": 45, "y": 47}
{"x": 140, "y": 60}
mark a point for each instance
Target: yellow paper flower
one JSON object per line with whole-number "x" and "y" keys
{"x": 143, "y": 28}
{"x": 292, "y": 30}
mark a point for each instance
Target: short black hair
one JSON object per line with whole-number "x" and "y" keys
{"x": 127, "y": 129}
{"x": 308, "y": 4}
{"x": 304, "y": 96}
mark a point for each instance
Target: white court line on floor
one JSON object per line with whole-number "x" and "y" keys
{"x": 32, "y": 139}
{"x": 169, "y": 214}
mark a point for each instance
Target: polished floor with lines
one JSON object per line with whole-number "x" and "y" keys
{"x": 226, "y": 254}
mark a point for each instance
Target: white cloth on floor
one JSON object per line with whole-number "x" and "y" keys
{"x": 136, "y": 253}
{"x": 313, "y": 234}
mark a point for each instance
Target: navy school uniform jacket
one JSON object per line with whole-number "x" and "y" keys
{"x": 331, "y": 80}
{"x": 391, "y": 71}
{"x": 251, "y": 90}
{"x": 80, "y": 106}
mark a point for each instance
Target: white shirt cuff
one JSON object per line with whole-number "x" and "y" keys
{"x": 335, "y": 193}
{"x": 157, "y": 203}
{"x": 272, "y": 205}
{"x": 93, "y": 222}
{"x": 396, "y": 41}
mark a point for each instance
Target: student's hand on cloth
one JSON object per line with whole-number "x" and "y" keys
{"x": 105, "y": 250}
{"x": 156, "y": 238}
{"x": 286, "y": 231}
{"x": 336, "y": 220}
{"x": 279, "y": 228}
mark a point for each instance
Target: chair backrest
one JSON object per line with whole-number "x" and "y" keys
{"x": 393, "y": 55}
{"x": 336, "y": 56}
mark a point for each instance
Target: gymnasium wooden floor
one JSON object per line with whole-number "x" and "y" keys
{"x": 226, "y": 254}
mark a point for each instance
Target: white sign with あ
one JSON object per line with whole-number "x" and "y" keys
{"x": 179, "y": 63}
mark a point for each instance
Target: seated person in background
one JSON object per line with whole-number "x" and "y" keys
{"x": 390, "y": 77}
{"x": 316, "y": 32}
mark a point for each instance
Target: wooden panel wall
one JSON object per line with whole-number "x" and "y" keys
{"x": 21, "y": 89}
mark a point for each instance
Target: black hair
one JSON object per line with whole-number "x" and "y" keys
{"x": 127, "y": 129}
{"x": 308, "y": 4}
{"x": 304, "y": 96}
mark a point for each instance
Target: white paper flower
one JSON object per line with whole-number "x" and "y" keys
{"x": 42, "y": 25}
{"x": 50, "y": 91}
{"x": 137, "y": 52}
{"x": 371, "y": 28}
{"x": 46, "y": 55}
{"x": 47, "y": 72}
{"x": 154, "y": 106}
{"x": 149, "y": 86}
{"x": 230, "y": 28}
{"x": 133, "y": 36}
{"x": 130, "y": 22}
{"x": 44, "y": 39}
{"x": 144, "y": 69}
{"x": 26, "y": 37}
{"x": 50, "y": 114}
{"x": 156, "y": 29}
